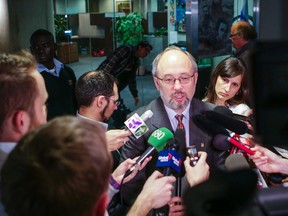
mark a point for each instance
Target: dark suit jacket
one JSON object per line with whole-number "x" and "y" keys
{"x": 136, "y": 147}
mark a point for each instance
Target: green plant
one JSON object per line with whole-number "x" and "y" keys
{"x": 129, "y": 29}
{"x": 61, "y": 24}
{"x": 160, "y": 32}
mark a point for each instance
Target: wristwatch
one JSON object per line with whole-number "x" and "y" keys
{"x": 114, "y": 183}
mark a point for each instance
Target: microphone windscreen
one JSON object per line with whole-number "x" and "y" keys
{"x": 146, "y": 115}
{"x": 224, "y": 110}
{"x": 209, "y": 126}
{"x": 220, "y": 142}
{"x": 181, "y": 142}
{"x": 238, "y": 127}
{"x": 236, "y": 162}
{"x": 159, "y": 138}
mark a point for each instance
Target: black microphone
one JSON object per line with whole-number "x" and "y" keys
{"x": 181, "y": 142}
{"x": 209, "y": 126}
{"x": 224, "y": 110}
{"x": 171, "y": 161}
{"x": 221, "y": 142}
{"x": 236, "y": 126}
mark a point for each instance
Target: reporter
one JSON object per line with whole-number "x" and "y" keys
{"x": 267, "y": 161}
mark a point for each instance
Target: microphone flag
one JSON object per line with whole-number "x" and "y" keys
{"x": 169, "y": 158}
{"x": 136, "y": 125}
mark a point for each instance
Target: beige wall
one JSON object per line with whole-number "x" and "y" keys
{"x": 25, "y": 16}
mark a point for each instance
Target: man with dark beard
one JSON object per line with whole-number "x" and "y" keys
{"x": 97, "y": 98}
{"x": 175, "y": 77}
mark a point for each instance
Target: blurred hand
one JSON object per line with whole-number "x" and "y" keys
{"x": 136, "y": 101}
{"x": 176, "y": 208}
{"x": 156, "y": 192}
{"x": 120, "y": 171}
{"x": 200, "y": 172}
{"x": 117, "y": 138}
{"x": 267, "y": 161}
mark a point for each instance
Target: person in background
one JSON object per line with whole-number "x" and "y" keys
{"x": 24, "y": 96}
{"x": 123, "y": 64}
{"x": 175, "y": 77}
{"x": 59, "y": 78}
{"x": 243, "y": 36}
{"x": 228, "y": 86}
{"x": 57, "y": 169}
{"x": 97, "y": 98}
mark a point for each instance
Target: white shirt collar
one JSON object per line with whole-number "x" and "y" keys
{"x": 102, "y": 124}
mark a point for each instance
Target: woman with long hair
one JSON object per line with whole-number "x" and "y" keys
{"x": 229, "y": 87}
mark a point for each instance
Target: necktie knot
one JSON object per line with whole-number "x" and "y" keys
{"x": 180, "y": 125}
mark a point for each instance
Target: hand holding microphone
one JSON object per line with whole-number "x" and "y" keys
{"x": 156, "y": 192}
{"x": 157, "y": 140}
{"x": 198, "y": 173}
{"x": 120, "y": 171}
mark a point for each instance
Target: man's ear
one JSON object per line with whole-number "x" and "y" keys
{"x": 21, "y": 122}
{"x": 156, "y": 82}
{"x": 100, "y": 207}
{"x": 100, "y": 101}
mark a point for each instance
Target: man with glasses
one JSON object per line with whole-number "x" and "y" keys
{"x": 123, "y": 64}
{"x": 175, "y": 77}
{"x": 97, "y": 98}
{"x": 242, "y": 36}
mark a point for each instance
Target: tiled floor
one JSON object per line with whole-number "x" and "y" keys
{"x": 145, "y": 84}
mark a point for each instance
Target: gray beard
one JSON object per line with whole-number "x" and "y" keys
{"x": 173, "y": 106}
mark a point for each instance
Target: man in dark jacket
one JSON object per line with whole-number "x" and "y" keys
{"x": 59, "y": 79}
{"x": 175, "y": 77}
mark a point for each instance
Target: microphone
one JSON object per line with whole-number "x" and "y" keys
{"x": 209, "y": 126}
{"x": 236, "y": 162}
{"x": 240, "y": 145}
{"x": 157, "y": 140}
{"x": 221, "y": 142}
{"x": 136, "y": 124}
{"x": 224, "y": 110}
{"x": 181, "y": 143}
{"x": 170, "y": 160}
{"x": 238, "y": 127}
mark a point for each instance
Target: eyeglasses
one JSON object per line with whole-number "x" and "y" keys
{"x": 171, "y": 80}
{"x": 232, "y": 35}
{"x": 116, "y": 102}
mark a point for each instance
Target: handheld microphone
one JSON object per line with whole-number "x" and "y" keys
{"x": 171, "y": 161}
{"x": 209, "y": 126}
{"x": 224, "y": 110}
{"x": 157, "y": 140}
{"x": 238, "y": 127}
{"x": 181, "y": 143}
{"x": 221, "y": 142}
{"x": 136, "y": 124}
{"x": 240, "y": 145}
